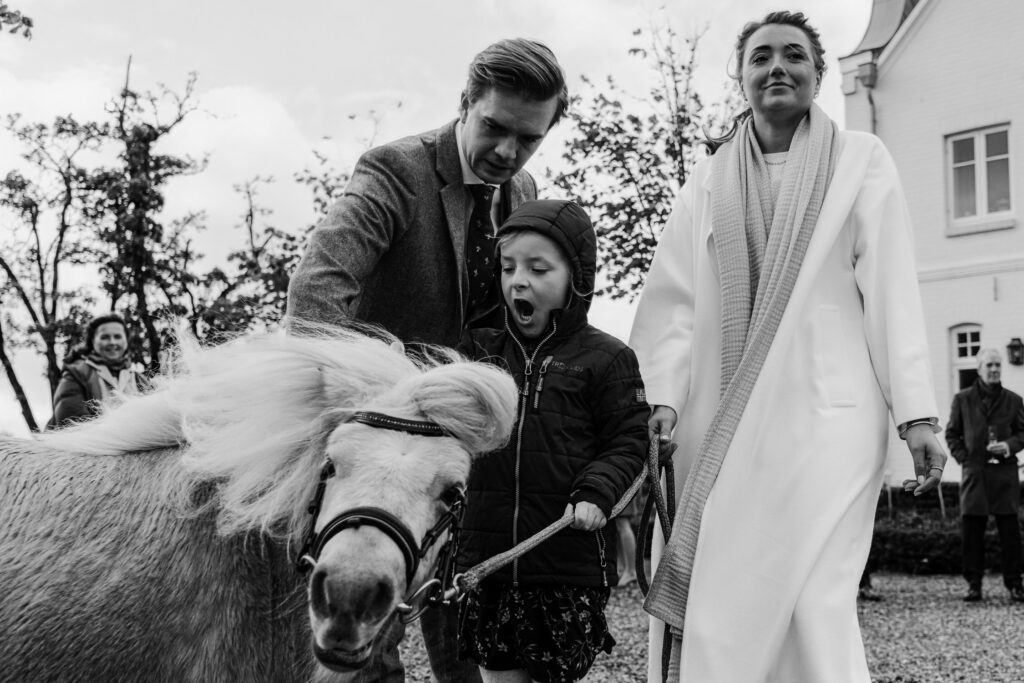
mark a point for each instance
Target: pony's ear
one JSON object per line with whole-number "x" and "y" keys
{"x": 474, "y": 402}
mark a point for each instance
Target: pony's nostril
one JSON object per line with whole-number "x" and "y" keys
{"x": 319, "y": 599}
{"x": 384, "y": 595}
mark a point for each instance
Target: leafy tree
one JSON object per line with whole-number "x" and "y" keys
{"x": 325, "y": 181}
{"x": 253, "y": 291}
{"x": 46, "y": 238}
{"x": 91, "y": 201}
{"x": 71, "y": 216}
{"x": 629, "y": 155}
{"x": 13, "y": 21}
{"x": 146, "y": 267}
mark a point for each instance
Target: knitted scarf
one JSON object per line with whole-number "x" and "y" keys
{"x": 760, "y": 249}
{"x": 116, "y": 377}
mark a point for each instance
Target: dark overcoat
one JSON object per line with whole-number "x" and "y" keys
{"x": 81, "y": 390}
{"x": 986, "y": 489}
{"x": 391, "y": 250}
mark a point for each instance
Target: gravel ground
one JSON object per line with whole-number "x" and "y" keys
{"x": 921, "y": 632}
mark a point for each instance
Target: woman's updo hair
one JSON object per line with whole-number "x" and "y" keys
{"x": 795, "y": 19}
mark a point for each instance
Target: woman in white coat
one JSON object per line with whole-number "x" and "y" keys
{"x": 779, "y": 328}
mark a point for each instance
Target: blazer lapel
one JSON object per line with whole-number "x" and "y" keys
{"x": 974, "y": 403}
{"x": 454, "y": 199}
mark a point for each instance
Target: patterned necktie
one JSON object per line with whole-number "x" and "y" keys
{"x": 480, "y": 246}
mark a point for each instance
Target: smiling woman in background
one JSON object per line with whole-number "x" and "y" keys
{"x": 96, "y": 372}
{"x": 779, "y": 327}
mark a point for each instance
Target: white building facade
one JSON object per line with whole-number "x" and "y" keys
{"x": 941, "y": 82}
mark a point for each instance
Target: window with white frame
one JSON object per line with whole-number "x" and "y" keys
{"x": 966, "y": 342}
{"x": 979, "y": 180}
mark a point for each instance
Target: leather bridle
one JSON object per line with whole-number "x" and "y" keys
{"x": 432, "y": 591}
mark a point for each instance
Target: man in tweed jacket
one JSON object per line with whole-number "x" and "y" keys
{"x": 392, "y": 250}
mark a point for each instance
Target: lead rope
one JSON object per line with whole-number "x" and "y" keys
{"x": 469, "y": 580}
{"x": 666, "y": 508}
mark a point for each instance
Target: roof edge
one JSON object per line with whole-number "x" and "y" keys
{"x": 887, "y": 16}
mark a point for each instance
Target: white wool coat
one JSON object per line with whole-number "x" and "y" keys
{"x": 787, "y": 527}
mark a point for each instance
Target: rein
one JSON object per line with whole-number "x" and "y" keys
{"x": 431, "y": 592}
{"x": 468, "y": 581}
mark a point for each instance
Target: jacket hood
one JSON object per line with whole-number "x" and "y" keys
{"x": 570, "y": 228}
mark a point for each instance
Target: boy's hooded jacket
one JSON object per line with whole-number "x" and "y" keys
{"x": 581, "y": 433}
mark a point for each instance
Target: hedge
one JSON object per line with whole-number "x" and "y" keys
{"x": 912, "y": 537}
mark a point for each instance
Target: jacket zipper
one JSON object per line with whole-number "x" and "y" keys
{"x": 601, "y": 545}
{"x": 524, "y": 404}
{"x": 540, "y": 380}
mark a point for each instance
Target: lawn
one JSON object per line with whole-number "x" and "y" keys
{"x": 921, "y": 632}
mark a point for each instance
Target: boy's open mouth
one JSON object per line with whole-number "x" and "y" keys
{"x": 524, "y": 309}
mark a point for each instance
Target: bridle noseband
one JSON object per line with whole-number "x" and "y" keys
{"x": 394, "y": 528}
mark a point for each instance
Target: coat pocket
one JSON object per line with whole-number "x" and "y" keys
{"x": 833, "y": 358}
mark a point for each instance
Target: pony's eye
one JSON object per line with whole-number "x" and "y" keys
{"x": 452, "y": 495}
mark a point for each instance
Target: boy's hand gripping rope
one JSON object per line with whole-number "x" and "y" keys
{"x": 467, "y": 581}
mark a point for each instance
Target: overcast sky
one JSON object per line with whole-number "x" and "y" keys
{"x": 275, "y": 79}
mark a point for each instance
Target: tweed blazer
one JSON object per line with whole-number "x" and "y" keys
{"x": 391, "y": 251}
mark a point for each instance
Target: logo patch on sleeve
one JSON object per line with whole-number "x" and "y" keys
{"x": 641, "y": 395}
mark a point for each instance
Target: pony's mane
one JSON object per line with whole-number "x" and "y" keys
{"x": 254, "y": 414}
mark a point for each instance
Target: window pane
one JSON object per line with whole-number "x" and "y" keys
{"x": 996, "y": 143}
{"x": 975, "y": 337}
{"x": 963, "y": 192}
{"x": 963, "y": 150}
{"x": 999, "y": 185}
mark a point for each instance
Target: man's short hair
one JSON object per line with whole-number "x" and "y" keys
{"x": 523, "y": 67}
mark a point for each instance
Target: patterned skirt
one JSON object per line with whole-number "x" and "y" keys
{"x": 554, "y": 632}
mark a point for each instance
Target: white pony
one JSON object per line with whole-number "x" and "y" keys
{"x": 158, "y": 542}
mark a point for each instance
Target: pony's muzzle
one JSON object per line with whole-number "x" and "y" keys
{"x": 336, "y": 600}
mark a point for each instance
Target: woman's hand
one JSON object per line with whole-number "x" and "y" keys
{"x": 659, "y": 426}
{"x": 587, "y": 516}
{"x": 929, "y": 459}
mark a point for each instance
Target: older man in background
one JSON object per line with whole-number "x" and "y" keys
{"x": 984, "y": 433}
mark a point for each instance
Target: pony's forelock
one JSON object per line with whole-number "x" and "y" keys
{"x": 258, "y": 411}
{"x": 473, "y": 402}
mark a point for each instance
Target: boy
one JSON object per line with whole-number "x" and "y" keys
{"x": 580, "y": 440}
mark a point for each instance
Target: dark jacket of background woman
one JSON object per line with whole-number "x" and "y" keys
{"x": 80, "y": 390}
